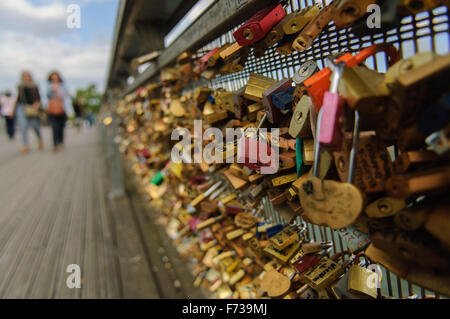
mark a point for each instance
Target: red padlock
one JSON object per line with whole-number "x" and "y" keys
{"x": 319, "y": 83}
{"x": 202, "y": 63}
{"x": 256, "y": 155}
{"x": 259, "y": 25}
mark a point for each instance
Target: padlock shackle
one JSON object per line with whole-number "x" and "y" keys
{"x": 317, "y": 145}
{"x": 354, "y": 150}
{"x": 390, "y": 50}
{"x": 362, "y": 254}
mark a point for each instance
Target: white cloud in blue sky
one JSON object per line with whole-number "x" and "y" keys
{"x": 34, "y": 36}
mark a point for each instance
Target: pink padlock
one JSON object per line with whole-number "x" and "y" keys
{"x": 333, "y": 104}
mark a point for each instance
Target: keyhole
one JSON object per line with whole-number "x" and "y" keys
{"x": 294, "y": 26}
{"x": 384, "y": 207}
{"x": 341, "y": 164}
{"x": 247, "y": 33}
{"x": 351, "y": 11}
{"x": 298, "y": 116}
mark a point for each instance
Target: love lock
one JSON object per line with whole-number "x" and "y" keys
{"x": 331, "y": 203}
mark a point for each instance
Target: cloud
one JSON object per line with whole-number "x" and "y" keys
{"x": 30, "y": 39}
{"x": 79, "y": 64}
{"x": 46, "y": 20}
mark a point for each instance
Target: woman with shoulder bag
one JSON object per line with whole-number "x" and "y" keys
{"x": 57, "y": 108}
{"x": 27, "y": 109}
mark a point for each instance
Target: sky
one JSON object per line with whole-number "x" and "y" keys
{"x": 34, "y": 36}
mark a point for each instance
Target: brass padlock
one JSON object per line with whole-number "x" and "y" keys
{"x": 373, "y": 166}
{"x": 300, "y": 122}
{"x": 322, "y": 275}
{"x": 362, "y": 281}
{"x": 256, "y": 85}
{"x": 306, "y": 37}
{"x": 364, "y": 90}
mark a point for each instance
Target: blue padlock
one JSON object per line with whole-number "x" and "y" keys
{"x": 211, "y": 99}
{"x": 272, "y": 231}
{"x": 283, "y": 99}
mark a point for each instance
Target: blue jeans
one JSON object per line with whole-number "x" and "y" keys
{"x": 25, "y": 122}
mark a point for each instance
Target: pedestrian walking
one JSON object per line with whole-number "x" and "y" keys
{"x": 58, "y": 109}
{"x": 8, "y": 103}
{"x": 27, "y": 109}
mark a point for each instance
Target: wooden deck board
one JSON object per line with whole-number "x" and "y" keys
{"x": 53, "y": 213}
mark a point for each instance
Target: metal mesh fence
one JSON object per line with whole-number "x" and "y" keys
{"x": 427, "y": 31}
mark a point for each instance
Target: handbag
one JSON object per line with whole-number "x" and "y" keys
{"x": 31, "y": 111}
{"x": 55, "y": 106}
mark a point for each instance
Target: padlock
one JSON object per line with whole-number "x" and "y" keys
{"x": 307, "y": 261}
{"x": 384, "y": 207}
{"x": 276, "y": 196}
{"x": 256, "y": 86}
{"x": 363, "y": 281}
{"x": 414, "y": 247}
{"x": 283, "y": 99}
{"x": 323, "y": 274}
{"x": 213, "y": 59}
{"x": 239, "y": 103}
{"x": 300, "y": 19}
{"x": 233, "y": 52}
{"x": 318, "y": 83}
{"x": 284, "y": 255}
{"x": 305, "y": 71}
{"x": 365, "y": 90}
{"x": 373, "y": 166}
{"x": 277, "y": 33}
{"x": 283, "y": 180}
{"x": 413, "y": 87}
{"x": 253, "y": 110}
{"x": 202, "y": 63}
{"x": 259, "y": 25}
{"x": 275, "y": 283}
{"x": 330, "y": 135}
{"x": 326, "y": 202}
{"x": 306, "y": 37}
{"x": 348, "y": 11}
{"x": 284, "y": 238}
{"x": 273, "y": 114}
{"x": 225, "y": 100}
{"x": 300, "y": 125}
{"x": 405, "y": 65}
{"x": 413, "y": 160}
{"x": 423, "y": 182}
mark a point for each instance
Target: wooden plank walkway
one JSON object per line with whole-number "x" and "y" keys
{"x": 54, "y": 212}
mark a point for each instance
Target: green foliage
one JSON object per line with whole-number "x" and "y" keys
{"x": 89, "y": 98}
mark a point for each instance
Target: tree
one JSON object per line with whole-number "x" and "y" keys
{"x": 89, "y": 98}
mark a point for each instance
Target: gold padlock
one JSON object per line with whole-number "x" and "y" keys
{"x": 256, "y": 85}
{"x": 300, "y": 122}
{"x": 362, "y": 281}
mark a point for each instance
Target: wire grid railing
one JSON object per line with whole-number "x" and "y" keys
{"x": 427, "y": 31}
